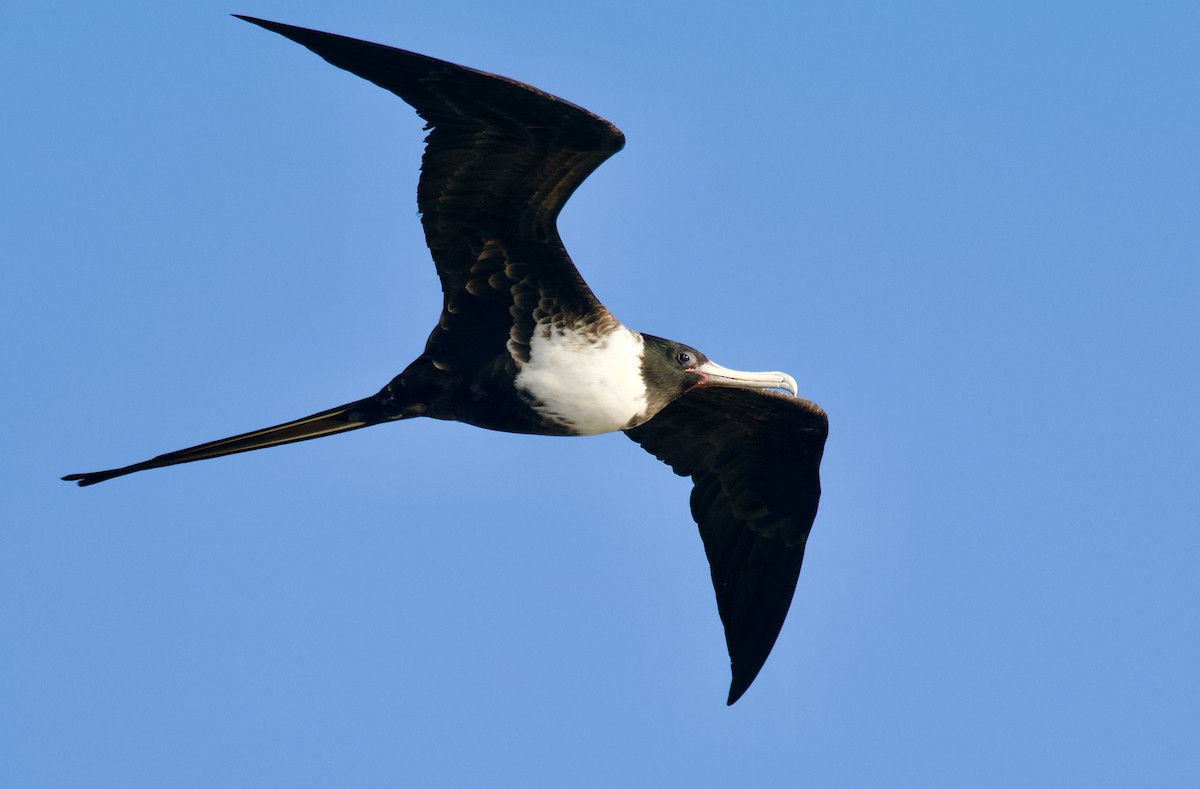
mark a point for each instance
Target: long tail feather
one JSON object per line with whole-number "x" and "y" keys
{"x": 336, "y": 420}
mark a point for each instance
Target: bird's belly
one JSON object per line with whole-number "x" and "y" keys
{"x": 586, "y": 383}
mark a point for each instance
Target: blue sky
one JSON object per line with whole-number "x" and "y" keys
{"x": 968, "y": 230}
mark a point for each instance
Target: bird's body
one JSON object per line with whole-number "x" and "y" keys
{"x": 522, "y": 344}
{"x": 586, "y": 383}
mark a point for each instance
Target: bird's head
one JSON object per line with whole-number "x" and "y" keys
{"x": 671, "y": 368}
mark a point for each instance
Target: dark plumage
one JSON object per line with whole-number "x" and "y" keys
{"x": 522, "y": 344}
{"x": 755, "y": 459}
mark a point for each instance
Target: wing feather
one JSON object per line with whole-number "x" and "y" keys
{"x": 754, "y": 458}
{"x": 501, "y": 159}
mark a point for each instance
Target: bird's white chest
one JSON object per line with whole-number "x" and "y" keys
{"x": 586, "y": 383}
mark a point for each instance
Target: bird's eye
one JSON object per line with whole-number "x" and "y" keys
{"x": 684, "y": 358}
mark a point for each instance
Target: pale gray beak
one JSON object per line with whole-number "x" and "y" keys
{"x": 714, "y": 374}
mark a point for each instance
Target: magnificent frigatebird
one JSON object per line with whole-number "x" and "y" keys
{"x": 522, "y": 344}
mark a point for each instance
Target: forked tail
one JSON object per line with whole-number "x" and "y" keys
{"x": 336, "y": 420}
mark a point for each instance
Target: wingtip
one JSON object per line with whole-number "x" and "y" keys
{"x": 736, "y": 690}
{"x": 264, "y": 23}
{"x": 744, "y": 671}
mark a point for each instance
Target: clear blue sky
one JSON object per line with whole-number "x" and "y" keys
{"x": 971, "y": 231}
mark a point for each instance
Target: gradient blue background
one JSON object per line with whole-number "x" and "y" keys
{"x": 970, "y": 230}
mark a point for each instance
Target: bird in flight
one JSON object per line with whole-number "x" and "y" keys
{"x": 522, "y": 345}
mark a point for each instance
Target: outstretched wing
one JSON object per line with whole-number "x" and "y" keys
{"x": 500, "y": 161}
{"x": 755, "y": 458}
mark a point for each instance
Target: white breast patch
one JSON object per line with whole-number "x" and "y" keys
{"x": 590, "y": 385}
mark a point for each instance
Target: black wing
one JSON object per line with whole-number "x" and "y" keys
{"x": 501, "y": 159}
{"x": 755, "y": 458}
